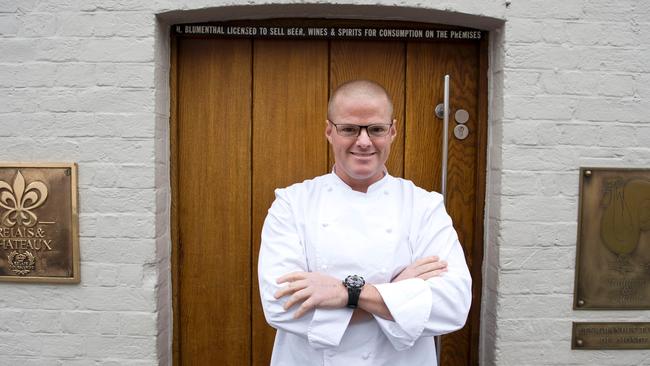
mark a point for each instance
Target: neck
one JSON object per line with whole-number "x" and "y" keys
{"x": 359, "y": 185}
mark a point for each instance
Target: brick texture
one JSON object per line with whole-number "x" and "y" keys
{"x": 87, "y": 81}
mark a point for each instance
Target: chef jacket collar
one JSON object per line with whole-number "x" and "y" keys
{"x": 372, "y": 188}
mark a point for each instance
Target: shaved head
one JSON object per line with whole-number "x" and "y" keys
{"x": 358, "y": 89}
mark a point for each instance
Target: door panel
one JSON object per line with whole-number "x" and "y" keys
{"x": 427, "y": 64}
{"x": 214, "y": 220}
{"x": 288, "y": 139}
{"x": 251, "y": 118}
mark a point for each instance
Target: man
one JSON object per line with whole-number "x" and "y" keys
{"x": 357, "y": 265}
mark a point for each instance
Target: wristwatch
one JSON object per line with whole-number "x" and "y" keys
{"x": 354, "y": 284}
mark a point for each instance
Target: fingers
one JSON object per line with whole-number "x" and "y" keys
{"x": 423, "y": 268}
{"x": 430, "y": 266}
{"x": 426, "y": 260}
{"x": 291, "y": 288}
{"x": 425, "y": 276}
{"x": 304, "y": 308}
{"x": 293, "y": 276}
{"x": 298, "y": 296}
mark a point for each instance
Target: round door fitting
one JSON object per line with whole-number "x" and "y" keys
{"x": 461, "y": 132}
{"x": 461, "y": 116}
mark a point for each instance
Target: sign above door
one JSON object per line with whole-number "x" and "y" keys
{"x": 326, "y": 30}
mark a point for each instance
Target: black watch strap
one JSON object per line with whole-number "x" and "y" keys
{"x": 353, "y": 297}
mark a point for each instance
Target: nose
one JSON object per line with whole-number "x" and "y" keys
{"x": 363, "y": 139}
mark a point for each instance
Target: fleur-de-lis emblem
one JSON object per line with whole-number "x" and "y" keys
{"x": 19, "y": 201}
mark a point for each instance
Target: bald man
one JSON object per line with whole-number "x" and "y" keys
{"x": 357, "y": 265}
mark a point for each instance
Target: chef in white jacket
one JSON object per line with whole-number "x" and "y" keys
{"x": 356, "y": 265}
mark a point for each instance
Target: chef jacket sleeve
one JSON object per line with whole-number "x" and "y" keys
{"x": 440, "y": 304}
{"x": 283, "y": 252}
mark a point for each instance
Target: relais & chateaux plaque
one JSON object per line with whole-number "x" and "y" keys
{"x": 39, "y": 222}
{"x": 613, "y": 256}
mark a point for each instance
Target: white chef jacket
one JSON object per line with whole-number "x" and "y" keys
{"x": 322, "y": 225}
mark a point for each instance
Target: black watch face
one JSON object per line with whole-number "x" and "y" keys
{"x": 355, "y": 281}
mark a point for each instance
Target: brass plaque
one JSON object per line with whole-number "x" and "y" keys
{"x": 613, "y": 254}
{"x": 39, "y": 222}
{"x": 610, "y": 336}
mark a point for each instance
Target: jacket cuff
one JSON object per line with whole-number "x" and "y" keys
{"x": 409, "y": 302}
{"x": 327, "y": 327}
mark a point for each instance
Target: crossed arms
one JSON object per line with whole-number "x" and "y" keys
{"x": 310, "y": 290}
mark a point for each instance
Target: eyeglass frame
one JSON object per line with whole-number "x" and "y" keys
{"x": 361, "y": 127}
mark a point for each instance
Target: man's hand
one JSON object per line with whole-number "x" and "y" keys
{"x": 313, "y": 290}
{"x": 424, "y": 268}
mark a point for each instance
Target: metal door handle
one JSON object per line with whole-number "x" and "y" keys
{"x": 442, "y": 112}
{"x": 445, "y": 139}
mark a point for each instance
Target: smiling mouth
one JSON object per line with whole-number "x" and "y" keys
{"x": 360, "y": 154}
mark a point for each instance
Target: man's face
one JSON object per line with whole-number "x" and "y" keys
{"x": 360, "y": 161}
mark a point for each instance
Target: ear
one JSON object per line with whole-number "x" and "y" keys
{"x": 393, "y": 130}
{"x": 328, "y": 131}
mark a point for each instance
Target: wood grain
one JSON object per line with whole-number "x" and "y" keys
{"x": 427, "y": 64}
{"x": 289, "y": 145}
{"x": 214, "y": 179}
{"x": 382, "y": 62}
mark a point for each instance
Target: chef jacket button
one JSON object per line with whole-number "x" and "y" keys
{"x": 323, "y": 267}
{"x": 365, "y": 355}
{"x": 389, "y": 230}
{"x": 325, "y": 224}
{"x": 329, "y": 189}
{"x": 386, "y": 193}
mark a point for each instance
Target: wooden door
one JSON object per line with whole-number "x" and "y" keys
{"x": 248, "y": 117}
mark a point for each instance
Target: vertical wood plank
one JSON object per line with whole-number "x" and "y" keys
{"x": 461, "y": 190}
{"x": 289, "y": 145}
{"x": 382, "y": 62}
{"x": 214, "y": 177}
{"x": 427, "y": 63}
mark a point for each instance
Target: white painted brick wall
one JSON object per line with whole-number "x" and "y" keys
{"x": 77, "y": 84}
{"x": 575, "y": 94}
{"x": 87, "y": 81}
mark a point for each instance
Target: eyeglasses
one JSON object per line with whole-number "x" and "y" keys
{"x": 373, "y": 130}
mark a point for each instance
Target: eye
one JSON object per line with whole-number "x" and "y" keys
{"x": 378, "y": 130}
{"x": 348, "y": 129}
